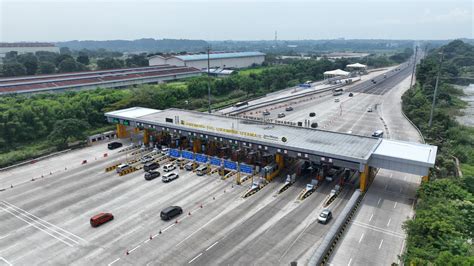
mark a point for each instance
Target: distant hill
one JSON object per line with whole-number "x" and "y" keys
{"x": 141, "y": 45}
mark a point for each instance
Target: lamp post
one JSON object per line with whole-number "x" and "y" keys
{"x": 208, "y": 79}
{"x": 435, "y": 90}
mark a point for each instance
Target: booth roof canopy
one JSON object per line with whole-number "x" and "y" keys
{"x": 356, "y": 65}
{"x": 337, "y": 72}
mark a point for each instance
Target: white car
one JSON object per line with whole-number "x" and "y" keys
{"x": 169, "y": 177}
{"x": 169, "y": 167}
{"x": 325, "y": 216}
{"x": 281, "y": 115}
{"x": 146, "y": 159}
{"x": 369, "y": 109}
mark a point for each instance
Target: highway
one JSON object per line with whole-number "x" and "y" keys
{"x": 46, "y": 221}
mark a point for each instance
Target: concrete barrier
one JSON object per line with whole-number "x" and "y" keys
{"x": 322, "y": 254}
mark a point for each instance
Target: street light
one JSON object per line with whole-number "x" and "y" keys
{"x": 208, "y": 78}
{"x": 435, "y": 90}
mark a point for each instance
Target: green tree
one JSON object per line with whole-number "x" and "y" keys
{"x": 136, "y": 61}
{"x": 61, "y": 58}
{"x": 65, "y": 51}
{"x": 83, "y": 59}
{"x": 13, "y": 69}
{"x": 67, "y": 130}
{"x": 68, "y": 65}
{"x": 46, "y": 68}
{"x": 109, "y": 63}
{"x": 30, "y": 62}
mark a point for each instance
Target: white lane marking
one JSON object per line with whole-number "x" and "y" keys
{"x": 395, "y": 205}
{"x": 378, "y": 229}
{"x": 200, "y": 228}
{"x": 349, "y": 264}
{"x": 46, "y": 222}
{"x": 199, "y": 255}
{"x": 6, "y": 261}
{"x": 212, "y": 245}
{"x": 391, "y": 175}
{"x": 401, "y": 188}
{"x": 39, "y": 228}
{"x": 114, "y": 261}
{"x": 381, "y": 242}
{"x": 378, "y": 203}
{"x": 4, "y": 236}
{"x": 405, "y": 178}
{"x": 146, "y": 241}
{"x": 386, "y": 186}
{"x": 361, "y": 237}
{"x": 389, "y": 220}
{"x": 371, "y": 216}
{"x": 133, "y": 249}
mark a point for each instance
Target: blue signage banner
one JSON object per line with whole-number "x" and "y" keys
{"x": 215, "y": 161}
{"x": 201, "y": 158}
{"x": 187, "y": 155}
{"x": 174, "y": 153}
{"x": 230, "y": 165}
{"x": 244, "y": 168}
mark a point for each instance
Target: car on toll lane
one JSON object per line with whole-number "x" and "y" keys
{"x": 169, "y": 177}
{"x": 152, "y": 175}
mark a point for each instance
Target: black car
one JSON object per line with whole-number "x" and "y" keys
{"x": 151, "y": 166}
{"x": 314, "y": 125}
{"x": 114, "y": 145}
{"x": 312, "y": 114}
{"x": 170, "y": 212}
{"x": 351, "y": 94}
{"x": 151, "y": 175}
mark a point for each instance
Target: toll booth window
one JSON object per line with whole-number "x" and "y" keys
{"x": 169, "y": 120}
{"x": 115, "y": 120}
{"x": 126, "y": 122}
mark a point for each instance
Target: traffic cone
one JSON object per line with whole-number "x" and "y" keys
{"x": 213, "y": 198}
{"x": 176, "y": 221}
{"x": 159, "y": 232}
{"x": 33, "y": 179}
{"x": 151, "y": 237}
{"x": 11, "y": 186}
{"x": 201, "y": 206}
{"x": 189, "y": 213}
{"x": 65, "y": 168}
{"x": 50, "y": 173}
{"x": 126, "y": 253}
{"x": 224, "y": 190}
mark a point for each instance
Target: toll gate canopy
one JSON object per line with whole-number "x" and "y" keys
{"x": 320, "y": 146}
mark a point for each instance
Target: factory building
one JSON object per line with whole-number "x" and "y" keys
{"x": 26, "y": 47}
{"x": 217, "y": 60}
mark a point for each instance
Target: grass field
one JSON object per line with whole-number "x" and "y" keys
{"x": 257, "y": 70}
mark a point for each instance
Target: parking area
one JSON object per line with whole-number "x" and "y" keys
{"x": 47, "y": 221}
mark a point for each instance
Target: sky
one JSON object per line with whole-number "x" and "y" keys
{"x": 63, "y": 20}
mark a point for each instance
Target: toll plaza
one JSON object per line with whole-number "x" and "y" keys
{"x": 239, "y": 144}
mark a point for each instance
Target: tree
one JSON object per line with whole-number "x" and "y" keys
{"x": 67, "y": 130}
{"x": 68, "y": 65}
{"x": 10, "y": 57}
{"x": 30, "y": 62}
{"x": 13, "y": 69}
{"x": 83, "y": 59}
{"x": 137, "y": 61}
{"x": 61, "y": 58}
{"x": 65, "y": 51}
{"x": 109, "y": 63}
{"x": 46, "y": 68}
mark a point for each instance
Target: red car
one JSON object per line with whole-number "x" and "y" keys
{"x": 101, "y": 218}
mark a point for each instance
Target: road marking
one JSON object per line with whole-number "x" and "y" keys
{"x": 212, "y": 245}
{"x": 395, "y": 205}
{"x": 381, "y": 242}
{"x": 46, "y": 222}
{"x": 4, "y": 236}
{"x": 391, "y": 175}
{"x": 386, "y": 186}
{"x": 378, "y": 203}
{"x": 361, "y": 237}
{"x": 199, "y": 255}
{"x": 401, "y": 188}
{"x": 378, "y": 229}
{"x": 349, "y": 264}
{"x": 6, "y": 261}
{"x": 371, "y": 216}
{"x": 133, "y": 249}
{"x": 405, "y": 178}
{"x": 113, "y": 261}
{"x": 389, "y": 220}
{"x": 39, "y": 228}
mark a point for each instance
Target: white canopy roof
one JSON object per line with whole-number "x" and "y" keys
{"x": 337, "y": 72}
{"x": 356, "y": 65}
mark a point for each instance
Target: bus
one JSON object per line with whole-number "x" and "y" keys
{"x": 337, "y": 91}
{"x": 240, "y": 104}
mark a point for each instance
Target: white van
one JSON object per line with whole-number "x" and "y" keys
{"x": 122, "y": 167}
{"x": 377, "y": 133}
{"x": 169, "y": 167}
{"x": 202, "y": 170}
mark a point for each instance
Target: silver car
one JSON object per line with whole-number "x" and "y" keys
{"x": 325, "y": 216}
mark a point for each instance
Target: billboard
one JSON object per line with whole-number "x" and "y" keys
{"x": 215, "y": 161}
{"x": 174, "y": 153}
{"x": 230, "y": 165}
{"x": 187, "y": 155}
{"x": 244, "y": 168}
{"x": 201, "y": 158}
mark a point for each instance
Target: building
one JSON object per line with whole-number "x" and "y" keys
{"x": 112, "y": 78}
{"x": 26, "y": 47}
{"x": 216, "y": 60}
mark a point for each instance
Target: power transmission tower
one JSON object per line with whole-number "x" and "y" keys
{"x": 414, "y": 66}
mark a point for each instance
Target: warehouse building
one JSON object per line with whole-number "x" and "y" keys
{"x": 26, "y": 47}
{"x": 216, "y": 60}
